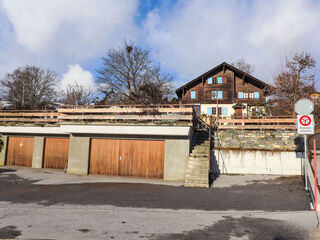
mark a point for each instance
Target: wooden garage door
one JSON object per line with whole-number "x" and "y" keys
{"x": 137, "y": 158}
{"x": 20, "y": 151}
{"x": 56, "y": 153}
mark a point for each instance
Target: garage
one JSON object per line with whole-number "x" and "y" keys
{"x": 136, "y": 158}
{"x": 20, "y": 151}
{"x": 56, "y": 152}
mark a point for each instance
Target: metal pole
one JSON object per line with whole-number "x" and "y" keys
{"x": 305, "y": 162}
{"x": 315, "y": 175}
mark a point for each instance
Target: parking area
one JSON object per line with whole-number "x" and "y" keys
{"x": 48, "y": 204}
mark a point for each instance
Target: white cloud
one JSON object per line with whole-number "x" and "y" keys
{"x": 76, "y": 75}
{"x": 197, "y": 35}
{"x": 54, "y": 33}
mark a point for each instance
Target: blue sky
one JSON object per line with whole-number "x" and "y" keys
{"x": 186, "y": 37}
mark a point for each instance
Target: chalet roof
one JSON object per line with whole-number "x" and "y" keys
{"x": 223, "y": 66}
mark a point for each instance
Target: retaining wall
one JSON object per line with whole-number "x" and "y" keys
{"x": 258, "y": 152}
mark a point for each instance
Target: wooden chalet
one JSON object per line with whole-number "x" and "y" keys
{"x": 226, "y": 88}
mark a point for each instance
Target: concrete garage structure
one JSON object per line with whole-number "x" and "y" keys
{"x": 163, "y": 150}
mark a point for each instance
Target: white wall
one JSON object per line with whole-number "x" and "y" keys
{"x": 257, "y": 162}
{"x": 228, "y": 106}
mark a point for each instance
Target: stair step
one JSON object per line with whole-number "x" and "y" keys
{"x": 199, "y": 154}
{"x": 200, "y": 176}
{"x": 197, "y": 167}
{"x": 196, "y": 181}
{"x": 201, "y": 148}
{"x": 201, "y": 185}
{"x": 197, "y": 172}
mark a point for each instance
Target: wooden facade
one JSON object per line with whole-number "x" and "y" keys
{"x": 235, "y": 85}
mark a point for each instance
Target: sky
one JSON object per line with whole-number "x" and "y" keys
{"x": 186, "y": 37}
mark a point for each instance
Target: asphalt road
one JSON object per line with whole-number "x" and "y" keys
{"x": 237, "y": 207}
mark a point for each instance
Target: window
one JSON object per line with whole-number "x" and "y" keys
{"x": 217, "y": 94}
{"x": 209, "y": 111}
{"x": 219, "y": 80}
{"x": 245, "y": 95}
{"x": 240, "y": 94}
{"x": 214, "y": 94}
{"x": 210, "y": 80}
{"x": 224, "y": 111}
{"x": 193, "y": 94}
{"x": 251, "y": 95}
{"x": 214, "y": 110}
{"x": 197, "y": 109}
{"x": 256, "y": 95}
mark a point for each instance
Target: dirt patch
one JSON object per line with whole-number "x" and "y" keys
{"x": 9, "y": 232}
{"x": 244, "y": 228}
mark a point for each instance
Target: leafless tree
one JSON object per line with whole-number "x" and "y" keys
{"x": 30, "y": 87}
{"x": 76, "y": 95}
{"x": 242, "y": 65}
{"x": 294, "y": 82}
{"x": 129, "y": 76}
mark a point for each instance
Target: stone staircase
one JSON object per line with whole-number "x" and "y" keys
{"x": 197, "y": 172}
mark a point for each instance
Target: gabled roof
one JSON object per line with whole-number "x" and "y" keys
{"x": 243, "y": 75}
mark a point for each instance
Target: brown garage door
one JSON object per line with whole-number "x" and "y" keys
{"x": 20, "y": 151}
{"x": 137, "y": 158}
{"x": 56, "y": 153}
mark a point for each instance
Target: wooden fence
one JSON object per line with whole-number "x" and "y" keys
{"x": 266, "y": 122}
{"x": 29, "y": 116}
{"x": 102, "y": 113}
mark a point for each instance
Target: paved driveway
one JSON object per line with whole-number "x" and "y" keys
{"x": 48, "y": 204}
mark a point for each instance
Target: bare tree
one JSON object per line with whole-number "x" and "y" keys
{"x": 76, "y": 95}
{"x": 242, "y": 65}
{"x": 30, "y": 87}
{"x": 129, "y": 76}
{"x": 294, "y": 82}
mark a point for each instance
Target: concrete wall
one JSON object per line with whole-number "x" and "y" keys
{"x": 176, "y": 158}
{"x": 78, "y": 159}
{"x": 257, "y": 162}
{"x": 3, "y": 150}
{"x": 38, "y": 148}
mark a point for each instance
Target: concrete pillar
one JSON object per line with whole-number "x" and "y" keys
{"x": 3, "y": 150}
{"x": 38, "y": 149}
{"x": 176, "y": 159}
{"x": 79, "y": 150}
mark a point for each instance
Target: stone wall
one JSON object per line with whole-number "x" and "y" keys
{"x": 279, "y": 140}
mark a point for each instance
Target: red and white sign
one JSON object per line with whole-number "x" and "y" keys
{"x": 305, "y": 124}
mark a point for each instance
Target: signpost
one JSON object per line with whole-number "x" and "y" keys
{"x": 305, "y": 126}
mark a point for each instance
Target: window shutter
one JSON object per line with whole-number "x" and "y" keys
{"x": 256, "y": 95}
{"x": 214, "y": 110}
{"x": 240, "y": 95}
{"x": 220, "y": 94}
{"x": 209, "y": 111}
{"x": 219, "y": 80}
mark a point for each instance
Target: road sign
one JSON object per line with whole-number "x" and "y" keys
{"x": 304, "y": 106}
{"x": 305, "y": 124}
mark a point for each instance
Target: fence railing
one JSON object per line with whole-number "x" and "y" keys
{"x": 265, "y": 122}
{"x": 102, "y": 113}
{"x": 29, "y": 116}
